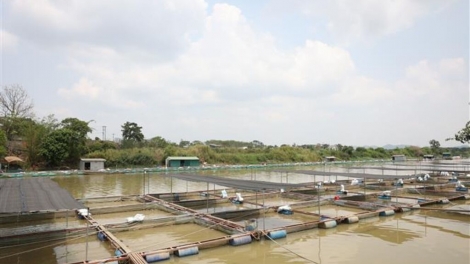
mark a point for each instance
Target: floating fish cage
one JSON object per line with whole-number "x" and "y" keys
{"x": 162, "y": 226}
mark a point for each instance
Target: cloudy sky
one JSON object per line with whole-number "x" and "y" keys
{"x": 362, "y": 72}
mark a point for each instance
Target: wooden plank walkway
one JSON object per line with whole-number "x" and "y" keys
{"x": 206, "y": 217}
{"x": 133, "y": 256}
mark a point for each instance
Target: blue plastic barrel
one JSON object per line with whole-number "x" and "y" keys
{"x": 157, "y": 257}
{"x": 277, "y": 234}
{"x": 387, "y": 213}
{"x": 237, "y": 241}
{"x": 187, "y": 251}
{"x": 102, "y": 236}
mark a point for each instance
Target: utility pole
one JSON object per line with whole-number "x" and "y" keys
{"x": 104, "y": 133}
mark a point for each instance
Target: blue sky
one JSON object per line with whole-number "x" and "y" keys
{"x": 357, "y": 73}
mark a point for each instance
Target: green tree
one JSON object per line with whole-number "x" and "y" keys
{"x": 184, "y": 143}
{"x": 132, "y": 132}
{"x": 50, "y": 123}
{"x": 197, "y": 142}
{"x": 257, "y": 144}
{"x": 463, "y": 136}
{"x": 3, "y": 143}
{"x": 79, "y": 127}
{"x": 55, "y": 147}
{"x": 64, "y": 143}
{"x": 158, "y": 142}
{"x": 33, "y": 138}
{"x": 435, "y": 146}
{"x": 78, "y": 136}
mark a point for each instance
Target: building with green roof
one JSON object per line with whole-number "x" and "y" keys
{"x": 182, "y": 162}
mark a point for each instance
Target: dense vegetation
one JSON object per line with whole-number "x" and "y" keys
{"x": 51, "y": 144}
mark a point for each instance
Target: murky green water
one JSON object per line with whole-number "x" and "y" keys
{"x": 413, "y": 237}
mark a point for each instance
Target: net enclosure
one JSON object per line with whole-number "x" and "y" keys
{"x": 348, "y": 174}
{"x": 238, "y": 183}
{"x": 26, "y": 195}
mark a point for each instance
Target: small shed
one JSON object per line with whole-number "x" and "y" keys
{"x": 91, "y": 164}
{"x": 446, "y": 156}
{"x": 428, "y": 157}
{"x": 398, "y": 158}
{"x": 330, "y": 159}
{"x": 13, "y": 164}
{"x": 182, "y": 162}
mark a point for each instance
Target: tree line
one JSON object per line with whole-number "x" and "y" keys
{"x": 48, "y": 143}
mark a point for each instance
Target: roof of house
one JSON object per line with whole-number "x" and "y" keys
{"x": 13, "y": 159}
{"x": 92, "y": 160}
{"x": 182, "y": 158}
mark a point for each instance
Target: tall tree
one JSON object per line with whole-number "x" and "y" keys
{"x": 34, "y": 135}
{"x": 3, "y": 143}
{"x": 65, "y": 144}
{"x": 131, "y": 131}
{"x": 77, "y": 139}
{"x": 435, "y": 146}
{"x": 81, "y": 128}
{"x": 15, "y": 108}
{"x": 131, "y": 135}
{"x": 55, "y": 147}
{"x": 15, "y": 102}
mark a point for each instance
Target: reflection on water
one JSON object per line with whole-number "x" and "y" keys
{"x": 414, "y": 237}
{"x": 166, "y": 236}
{"x": 73, "y": 249}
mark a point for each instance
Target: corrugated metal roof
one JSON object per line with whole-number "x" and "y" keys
{"x": 182, "y": 158}
{"x": 34, "y": 194}
{"x": 90, "y": 159}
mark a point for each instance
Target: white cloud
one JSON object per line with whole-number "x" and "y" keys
{"x": 83, "y": 88}
{"x": 230, "y": 62}
{"x": 130, "y": 27}
{"x": 7, "y": 40}
{"x": 217, "y": 75}
{"x": 361, "y": 90}
{"x": 370, "y": 18}
{"x": 351, "y": 21}
{"x": 438, "y": 81}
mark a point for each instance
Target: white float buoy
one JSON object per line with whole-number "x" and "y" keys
{"x": 352, "y": 219}
{"x": 328, "y": 224}
{"x": 387, "y": 213}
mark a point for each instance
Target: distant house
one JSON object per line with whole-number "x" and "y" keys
{"x": 398, "y": 158}
{"x": 91, "y": 164}
{"x": 182, "y": 162}
{"x": 428, "y": 157}
{"x": 446, "y": 156}
{"x": 330, "y": 159}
